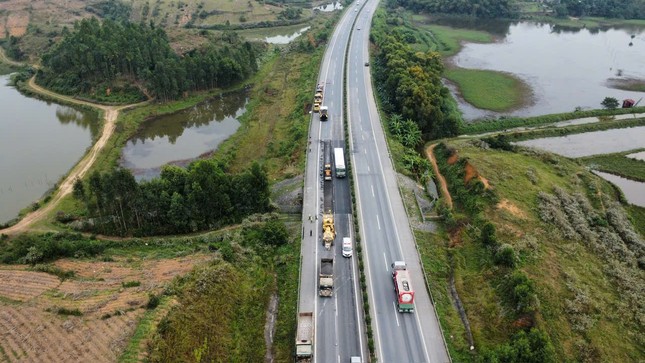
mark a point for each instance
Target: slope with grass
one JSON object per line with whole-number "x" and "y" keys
{"x": 558, "y": 232}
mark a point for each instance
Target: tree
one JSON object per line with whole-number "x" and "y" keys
{"x": 275, "y": 233}
{"x": 609, "y": 103}
{"x": 487, "y": 235}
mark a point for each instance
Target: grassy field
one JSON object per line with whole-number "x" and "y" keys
{"x": 618, "y": 164}
{"x": 448, "y": 40}
{"x": 578, "y": 297}
{"x": 490, "y": 90}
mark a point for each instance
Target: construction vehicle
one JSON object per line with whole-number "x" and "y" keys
{"x": 403, "y": 287}
{"x": 329, "y": 232}
{"x": 318, "y": 97}
{"x": 326, "y": 277}
{"x": 324, "y": 113}
{"x": 327, "y": 159}
{"x": 305, "y": 337}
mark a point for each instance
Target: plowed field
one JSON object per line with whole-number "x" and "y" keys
{"x": 31, "y": 330}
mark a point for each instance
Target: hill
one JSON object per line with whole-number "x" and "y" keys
{"x": 538, "y": 244}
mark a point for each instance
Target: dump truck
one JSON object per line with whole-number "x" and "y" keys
{"x": 403, "y": 287}
{"x": 327, "y": 149}
{"x": 324, "y": 113}
{"x": 326, "y": 277}
{"x": 305, "y": 337}
{"x": 329, "y": 232}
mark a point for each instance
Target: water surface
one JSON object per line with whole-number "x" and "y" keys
{"x": 634, "y": 191}
{"x": 329, "y": 7}
{"x": 183, "y": 136}
{"x": 591, "y": 143}
{"x": 39, "y": 143}
{"x": 564, "y": 68}
{"x": 286, "y": 38}
{"x": 637, "y": 156}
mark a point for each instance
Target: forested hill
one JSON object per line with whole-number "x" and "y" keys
{"x": 96, "y": 57}
{"x": 477, "y": 8}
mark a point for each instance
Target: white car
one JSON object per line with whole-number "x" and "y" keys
{"x": 347, "y": 247}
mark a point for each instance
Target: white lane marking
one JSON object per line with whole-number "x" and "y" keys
{"x": 385, "y": 260}
{"x": 378, "y": 221}
{"x": 369, "y": 171}
{"x": 363, "y": 137}
{"x": 365, "y": 151}
{"x": 396, "y": 313}
{"x": 374, "y": 195}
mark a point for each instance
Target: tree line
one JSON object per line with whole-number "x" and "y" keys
{"x": 201, "y": 197}
{"x": 624, "y": 9}
{"x": 94, "y": 54}
{"x": 476, "y": 8}
{"x": 409, "y": 82}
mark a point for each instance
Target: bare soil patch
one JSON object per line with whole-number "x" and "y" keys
{"x": 17, "y": 23}
{"x": 32, "y": 331}
{"x": 506, "y": 205}
{"x": 443, "y": 186}
{"x": 471, "y": 172}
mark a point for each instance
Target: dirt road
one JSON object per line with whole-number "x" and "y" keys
{"x": 4, "y": 59}
{"x": 110, "y": 115}
{"x": 442, "y": 181}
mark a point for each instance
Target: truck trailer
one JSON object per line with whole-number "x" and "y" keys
{"x": 326, "y": 277}
{"x": 305, "y": 337}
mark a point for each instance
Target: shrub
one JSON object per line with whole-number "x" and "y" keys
{"x": 488, "y": 236}
{"x": 519, "y": 292}
{"x": 153, "y": 301}
{"x": 65, "y": 311}
{"x": 531, "y": 347}
{"x": 506, "y": 256}
{"x": 131, "y": 284}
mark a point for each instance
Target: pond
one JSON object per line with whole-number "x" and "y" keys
{"x": 591, "y": 143}
{"x": 184, "y": 136}
{"x": 329, "y": 7}
{"x": 637, "y": 156}
{"x": 276, "y": 35}
{"x": 634, "y": 191}
{"x": 564, "y": 68}
{"x": 39, "y": 143}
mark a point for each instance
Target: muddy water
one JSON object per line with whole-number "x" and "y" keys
{"x": 564, "y": 68}
{"x": 184, "y": 136}
{"x": 592, "y": 143}
{"x": 39, "y": 143}
{"x": 634, "y": 191}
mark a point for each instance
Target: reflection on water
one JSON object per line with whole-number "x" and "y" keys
{"x": 183, "y": 136}
{"x": 564, "y": 68}
{"x": 285, "y": 39}
{"x": 634, "y": 191}
{"x": 591, "y": 143}
{"x": 329, "y": 7}
{"x": 39, "y": 143}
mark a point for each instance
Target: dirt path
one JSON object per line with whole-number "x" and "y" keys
{"x": 78, "y": 171}
{"x": 4, "y": 59}
{"x": 442, "y": 181}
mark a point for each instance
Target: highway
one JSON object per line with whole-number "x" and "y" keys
{"x": 385, "y": 230}
{"x": 339, "y": 324}
{"x": 386, "y": 235}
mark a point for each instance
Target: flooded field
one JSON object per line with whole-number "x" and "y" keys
{"x": 591, "y": 143}
{"x": 634, "y": 191}
{"x": 569, "y": 68}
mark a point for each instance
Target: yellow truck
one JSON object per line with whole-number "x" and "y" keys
{"x": 329, "y": 232}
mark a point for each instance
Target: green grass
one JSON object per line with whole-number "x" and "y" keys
{"x": 553, "y": 263}
{"x": 575, "y": 129}
{"x": 145, "y": 329}
{"x": 434, "y": 256}
{"x": 489, "y": 90}
{"x": 448, "y": 40}
{"x": 618, "y": 164}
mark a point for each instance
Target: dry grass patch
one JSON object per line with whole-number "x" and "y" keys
{"x": 25, "y": 285}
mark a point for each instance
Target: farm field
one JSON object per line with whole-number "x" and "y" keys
{"x": 87, "y": 318}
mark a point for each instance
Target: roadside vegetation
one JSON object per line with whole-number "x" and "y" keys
{"x": 526, "y": 248}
